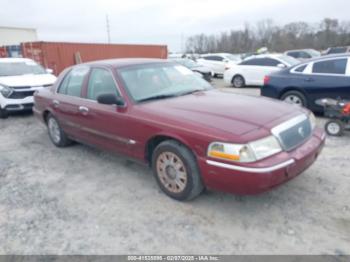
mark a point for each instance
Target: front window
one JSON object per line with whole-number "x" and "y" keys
{"x": 155, "y": 81}
{"x": 289, "y": 60}
{"x": 21, "y": 68}
{"x": 187, "y": 62}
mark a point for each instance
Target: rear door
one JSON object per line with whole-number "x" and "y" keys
{"x": 328, "y": 78}
{"x": 215, "y": 63}
{"x": 67, "y": 99}
{"x": 106, "y": 125}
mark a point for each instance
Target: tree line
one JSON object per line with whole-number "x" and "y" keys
{"x": 297, "y": 35}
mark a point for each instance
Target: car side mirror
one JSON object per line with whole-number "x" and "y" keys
{"x": 281, "y": 66}
{"x": 226, "y": 60}
{"x": 111, "y": 99}
{"x": 49, "y": 70}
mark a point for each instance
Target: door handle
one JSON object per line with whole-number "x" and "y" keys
{"x": 55, "y": 103}
{"x": 83, "y": 109}
{"x": 309, "y": 79}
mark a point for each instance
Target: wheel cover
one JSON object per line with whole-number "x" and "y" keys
{"x": 293, "y": 99}
{"x": 54, "y": 130}
{"x": 171, "y": 172}
{"x": 333, "y": 128}
{"x": 238, "y": 81}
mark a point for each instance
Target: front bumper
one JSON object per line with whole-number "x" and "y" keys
{"x": 16, "y": 104}
{"x": 19, "y": 102}
{"x": 265, "y": 174}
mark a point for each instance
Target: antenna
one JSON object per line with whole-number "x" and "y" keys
{"x": 108, "y": 30}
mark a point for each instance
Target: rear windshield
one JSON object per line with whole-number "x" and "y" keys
{"x": 21, "y": 68}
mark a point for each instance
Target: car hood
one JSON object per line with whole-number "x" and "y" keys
{"x": 27, "y": 80}
{"x": 215, "y": 110}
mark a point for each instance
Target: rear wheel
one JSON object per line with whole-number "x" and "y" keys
{"x": 3, "y": 113}
{"x": 176, "y": 171}
{"x": 238, "y": 81}
{"x": 56, "y": 133}
{"x": 334, "y": 128}
{"x": 294, "y": 97}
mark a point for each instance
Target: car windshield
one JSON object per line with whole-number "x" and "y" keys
{"x": 20, "y": 68}
{"x": 233, "y": 57}
{"x": 157, "y": 81}
{"x": 289, "y": 60}
{"x": 314, "y": 53}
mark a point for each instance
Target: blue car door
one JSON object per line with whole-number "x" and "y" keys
{"x": 329, "y": 78}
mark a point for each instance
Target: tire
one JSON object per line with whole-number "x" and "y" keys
{"x": 334, "y": 128}
{"x": 176, "y": 171}
{"x": 56, "y": 133}
{"x": 3, "y": 113}
{"x": 238, "y": 81}
{"x": 294, "y": 97}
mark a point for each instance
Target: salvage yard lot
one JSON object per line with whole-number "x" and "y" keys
{"x": 80, "y": 200}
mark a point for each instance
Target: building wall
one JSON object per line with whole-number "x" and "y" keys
{"x": 15, "y": 36}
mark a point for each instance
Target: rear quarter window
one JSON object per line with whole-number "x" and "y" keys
{"x": 336, "y": 66}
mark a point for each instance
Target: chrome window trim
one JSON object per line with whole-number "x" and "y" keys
{"x": 251, "y": 169}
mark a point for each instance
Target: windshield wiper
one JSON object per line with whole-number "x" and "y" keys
{"x": 157, "y": 97}
{"x": 190, "y": 92}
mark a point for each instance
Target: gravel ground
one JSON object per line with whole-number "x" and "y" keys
{"x": 80, "y": 200}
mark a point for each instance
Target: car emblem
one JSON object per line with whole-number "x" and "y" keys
{"x": 301, "y": 132}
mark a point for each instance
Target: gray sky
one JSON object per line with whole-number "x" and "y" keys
{"x": 157, "y": 21}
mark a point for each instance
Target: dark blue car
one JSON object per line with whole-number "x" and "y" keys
{"x": 303, "y": 84}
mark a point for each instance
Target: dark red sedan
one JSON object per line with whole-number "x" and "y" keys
{"x": 192, "y": 135}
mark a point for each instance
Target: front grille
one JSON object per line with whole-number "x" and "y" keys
{"x": 293, "y": 132}
{"x": 21, "y": 95}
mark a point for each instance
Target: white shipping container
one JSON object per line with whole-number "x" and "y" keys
{"x": 15, "y": 36}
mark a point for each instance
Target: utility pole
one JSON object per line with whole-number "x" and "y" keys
{"x": 108, "y": 30}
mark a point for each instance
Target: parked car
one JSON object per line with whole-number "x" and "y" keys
{"x": 303, "y": 54}
{"x": 251, "y": 72}
{"x": 337, "y": 50}
{"x": 219, "y": 62}
{"x": 192, "y": 135}
{"x": 19, "y": 79}
{"x": 303, "y": 84}
{"x": 205, "y": 72}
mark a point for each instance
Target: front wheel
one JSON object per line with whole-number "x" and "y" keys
{"x": 176, "y": 171}
{"x": 56, "y": 133}
{"x": 334, "y": 128}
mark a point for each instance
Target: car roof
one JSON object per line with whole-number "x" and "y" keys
{"x": 345, "y": 55}
{"x": 14, "y": 60}
{"x": 265, "y": 56}
{"x": 125, "y": 62}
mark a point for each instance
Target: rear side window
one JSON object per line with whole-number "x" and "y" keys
{"x": 336, "y": 66}
{"x": 73, "y": 81}
{"x": 213, "y": 58}
{"x": 251, "y": 62}
{"x": 294, "y": 54}
{"x": 270, "y": 62}
{"x": 101, "y": 82}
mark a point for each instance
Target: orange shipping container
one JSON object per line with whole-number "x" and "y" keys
{"x": 58, "y": 56}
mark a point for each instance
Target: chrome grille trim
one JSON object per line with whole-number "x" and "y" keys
{"x": 290, "y": 124}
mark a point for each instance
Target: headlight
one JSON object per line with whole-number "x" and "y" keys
{"x": 312, "y": 120}
{"x": 245, "y": 153}
{"x": 5, "y": 91}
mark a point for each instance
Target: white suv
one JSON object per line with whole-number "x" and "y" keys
{"x": 19, "y": 79}
{"x": 219, "y": 62}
